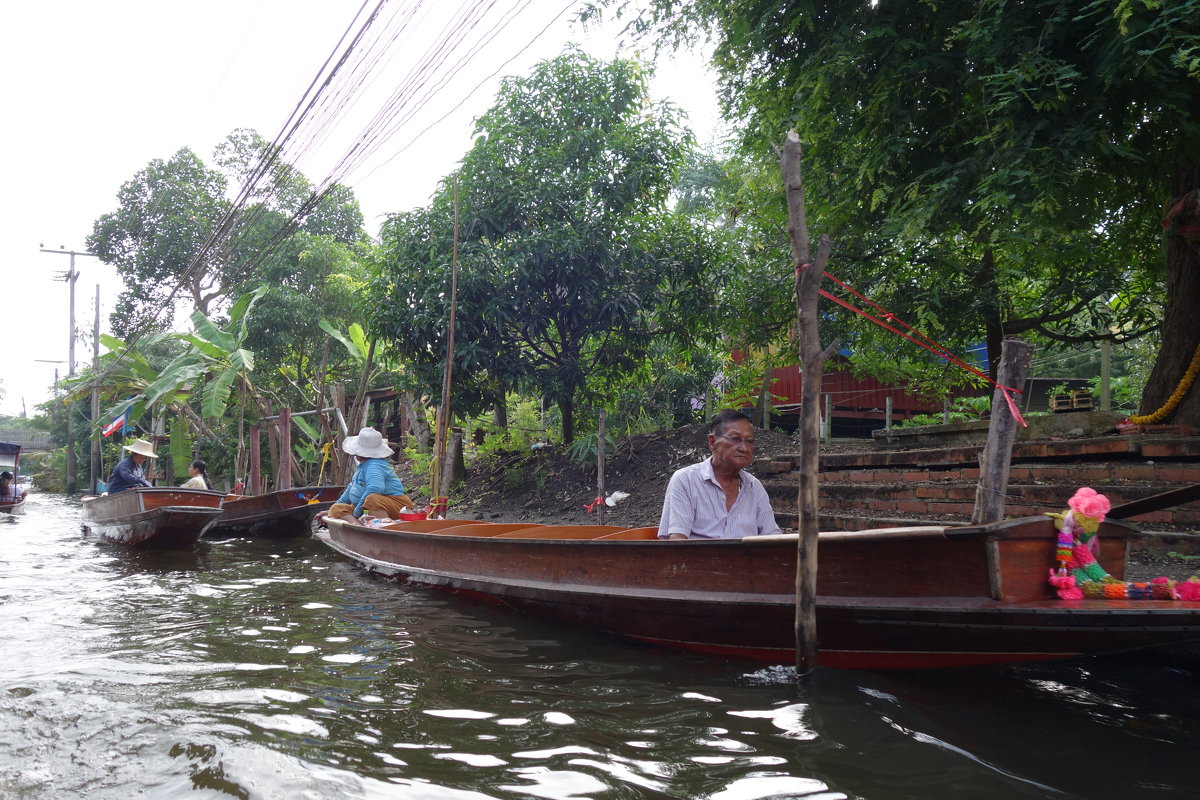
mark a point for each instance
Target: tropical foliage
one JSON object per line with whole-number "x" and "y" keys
{"x": 571, "y": 263}
{"x": 987, "y": 168}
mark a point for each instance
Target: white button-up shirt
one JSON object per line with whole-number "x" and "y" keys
{"x": 695, "y": 506}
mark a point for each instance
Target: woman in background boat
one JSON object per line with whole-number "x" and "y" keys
{"x": 7, "y": 485}
{"x": 199, "y": 476}
{"x": 374, "y": 490}
{"x": 718, "y": 498}
{"x": 128, "y": 473}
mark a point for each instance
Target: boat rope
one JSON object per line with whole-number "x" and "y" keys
{"x": 885, "y": 319}
{"x": 592, "y": 505}
{"x": 1176, "y": 397}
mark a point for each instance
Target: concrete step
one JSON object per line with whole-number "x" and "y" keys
{"x": 1184, "y": 449}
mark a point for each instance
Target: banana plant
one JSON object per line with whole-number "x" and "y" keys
{"x": 220, "y": 352}
{"x": 125, "y": 372}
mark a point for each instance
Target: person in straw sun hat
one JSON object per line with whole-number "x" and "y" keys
{"x": 374, "y": 491}
{"x": 128, "y": 472}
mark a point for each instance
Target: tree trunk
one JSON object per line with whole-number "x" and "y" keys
{"x": 342, "y": 462}
{"x": 417, "y": 423}
{"x": 566, "y": 408}
{"x": 993, "y": 323}
{"x": 454, "y": 470}
{"x": 357, "y": 417}
{"x": 500, "y": 410}
{"x": 1180, "y": 333}
{"x": 762, "y": 409}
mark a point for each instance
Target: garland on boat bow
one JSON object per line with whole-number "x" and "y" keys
{"x": 1079, "y": 575}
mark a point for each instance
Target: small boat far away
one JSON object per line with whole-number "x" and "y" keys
{"x": 153, "y": 516}
{"x": 892, "y": 598}
{"x": 13, "y": 501}
{"x": 286, "y": 512}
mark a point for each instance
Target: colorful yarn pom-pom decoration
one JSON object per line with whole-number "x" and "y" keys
{"x": 1080, "y": 575}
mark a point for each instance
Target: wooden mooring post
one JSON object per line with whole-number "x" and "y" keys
{"x": 807, "y": 282}
{"x": 996, "y": 458}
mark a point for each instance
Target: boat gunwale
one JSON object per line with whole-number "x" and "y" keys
{"x": 948, "y": 603}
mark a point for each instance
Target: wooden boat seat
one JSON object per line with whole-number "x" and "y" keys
{"x": 633, "y": 533}
{"x": 428, "y": 525}
{"x": 913, "y": 532}
{"x": 481, "y": 528}
{"x": 562, "y": 532}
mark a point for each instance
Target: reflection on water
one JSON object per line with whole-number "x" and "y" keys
{"x": 273, "y": 669}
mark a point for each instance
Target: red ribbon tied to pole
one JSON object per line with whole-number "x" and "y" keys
{"x": 885, "y": 319}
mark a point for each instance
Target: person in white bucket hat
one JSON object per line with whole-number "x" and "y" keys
{"x": 129, "y": 472}
{"x": 374, "y": 491}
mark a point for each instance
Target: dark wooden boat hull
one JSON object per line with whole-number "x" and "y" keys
{"x": 284, "y": 513}
{"x": 967, "y": 596}
{"x": 153, "y": 517}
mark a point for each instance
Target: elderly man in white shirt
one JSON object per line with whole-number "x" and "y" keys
{"x": 718, "y": 498}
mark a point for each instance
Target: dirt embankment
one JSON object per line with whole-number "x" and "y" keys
{"x": 546, "y": 485}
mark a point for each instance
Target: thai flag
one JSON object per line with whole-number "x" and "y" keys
{"x": 117, "y": 424}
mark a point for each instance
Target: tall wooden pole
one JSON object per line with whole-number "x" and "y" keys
{"x": 94, "y": 459}
{"x": 439, "y": 490}
{"x": 807, "y": 283}
{"x": 1015, "y": 356}
{"x": 600, "y": 466}
{"x": 283, "y": 480}
{"x": 254, "y": 466}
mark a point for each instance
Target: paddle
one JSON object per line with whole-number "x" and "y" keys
{"x": 1175, "y": 497}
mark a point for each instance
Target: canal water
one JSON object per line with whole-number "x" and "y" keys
{"x": 275, "y": 669}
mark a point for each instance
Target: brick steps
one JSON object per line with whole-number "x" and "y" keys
{"x": 881, "y": 488}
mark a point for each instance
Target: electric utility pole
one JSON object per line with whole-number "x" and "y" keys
{"x": 70, "y": 276}
{"x": 94, "y": 461}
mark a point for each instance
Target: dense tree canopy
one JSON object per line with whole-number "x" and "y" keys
{"x": 567, "y": 249}
{"x": 1007, "y": 160}
{"x": 165, "y": 214}
{"x": 181, "y": 239}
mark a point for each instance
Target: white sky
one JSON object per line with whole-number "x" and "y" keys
{"x": 95, "y": 90}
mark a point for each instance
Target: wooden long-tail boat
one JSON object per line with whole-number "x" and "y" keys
{"x": 153, "y": 517}
{"x": 13, "y": 502}
{"x": 286, "y": 512}
{"x": 890, "y": 598}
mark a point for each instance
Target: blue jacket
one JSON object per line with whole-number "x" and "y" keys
{"x": 126, "y": 475}
{"x": 373, "y": 476}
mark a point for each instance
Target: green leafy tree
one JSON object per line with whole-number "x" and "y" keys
{"x": 568, "y": 247}
{"x": 166, "y": 213}
{"x": 180, "y": 238}
{"x": 1005, "y": 165}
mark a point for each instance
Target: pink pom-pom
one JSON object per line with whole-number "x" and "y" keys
{"x": 1065, "y": 587}
{"x": 1089, "y": 503}
{"x": 1188, "y": 590}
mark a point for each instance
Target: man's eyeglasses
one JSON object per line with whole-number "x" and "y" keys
{"x": 736, "y": 441}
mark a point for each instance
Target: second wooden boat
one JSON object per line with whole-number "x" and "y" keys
{"x": 287, "y": 512}
{"x": 153, "y": 517}
{"x": 890, "y": 598}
